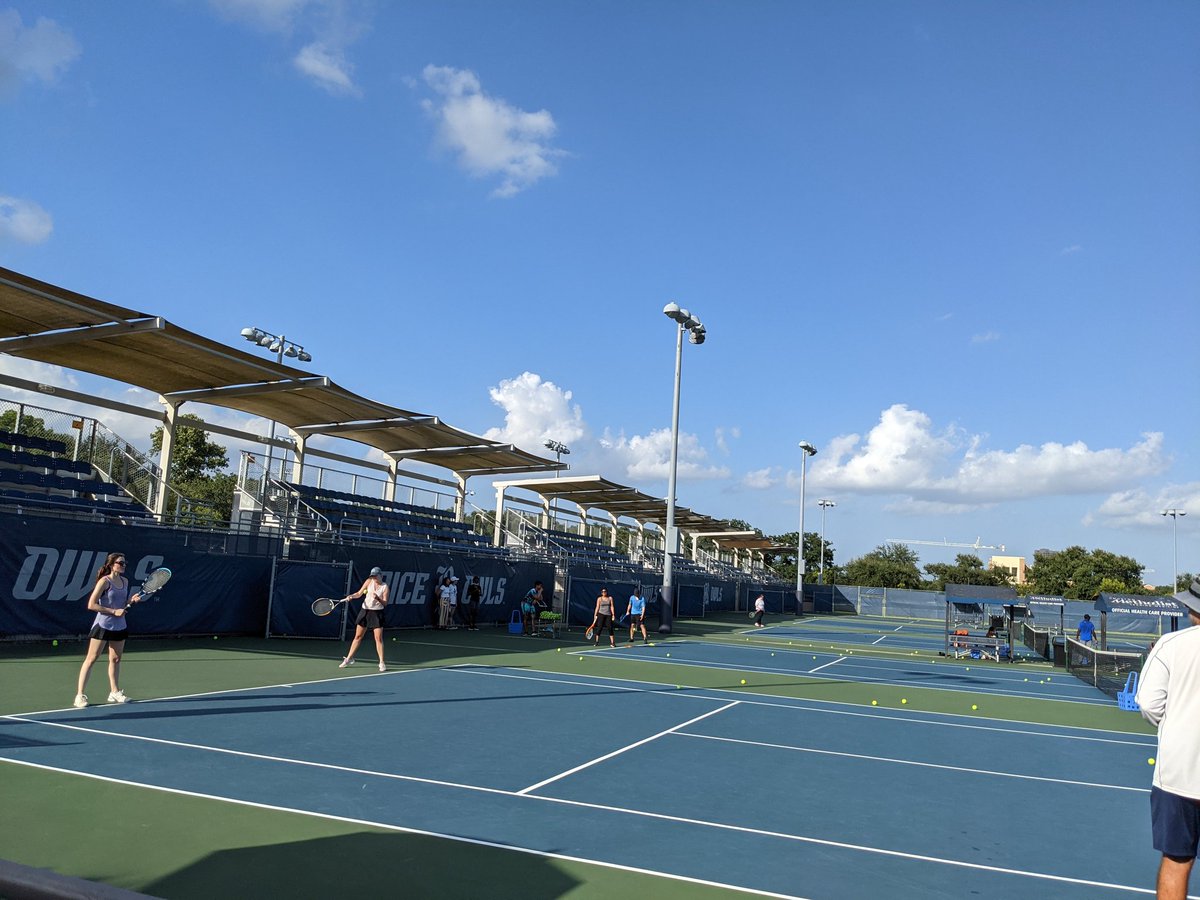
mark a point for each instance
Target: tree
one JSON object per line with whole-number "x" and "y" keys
{"x": 784, "y": 562}
{"x": 32, "y": 426}
{"x": 1076, "y": 574}
{"x": 888, "y": 565}
{"x": 967, "y": 568}
{"x": 198, "y": 469}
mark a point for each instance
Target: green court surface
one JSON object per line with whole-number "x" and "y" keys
{"x": 182, "y": 844}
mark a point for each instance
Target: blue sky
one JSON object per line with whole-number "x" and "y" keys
{"x": 952, "y": 245}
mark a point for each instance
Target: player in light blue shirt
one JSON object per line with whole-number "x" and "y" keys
{"x": 636, "y": 612}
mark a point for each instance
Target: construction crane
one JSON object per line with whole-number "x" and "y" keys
{"x": 944, "y": 543}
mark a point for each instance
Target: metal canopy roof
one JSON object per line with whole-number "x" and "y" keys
{"x": 42, "y": 322}
{"x": 742, "y": 540}
{"x": 597, "y": 492}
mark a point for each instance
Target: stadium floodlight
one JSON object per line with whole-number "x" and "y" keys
{"x": 824, "y": 504}
{"x": 809, "y": 450}
{"x": 1176, "y": 515}
{"x": 281, "y": 347}
{"x": 684, "y": 321}
{"x": 559, "y": 449}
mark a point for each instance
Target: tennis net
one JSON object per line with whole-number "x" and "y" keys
{"x": 1036, "y": 639}
{"x": 1104, "y": 669}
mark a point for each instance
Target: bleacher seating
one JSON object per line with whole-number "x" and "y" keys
{"x": 577, "y": 548}
{"x": 39, "y": 481}
{"x": 361, "y": 518}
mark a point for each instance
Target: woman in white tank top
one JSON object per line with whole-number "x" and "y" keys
{"x": 370, "y": 617}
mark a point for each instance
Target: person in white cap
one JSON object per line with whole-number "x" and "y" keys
{"x": 375, "y": 590}
{"x": 1169, "y": 697}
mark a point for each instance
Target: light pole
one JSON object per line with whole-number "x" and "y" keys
{"x": 808, "y": 450}
{"x": 1176, "y": 515}
{"x": 684, "y": 320}
{"x": 824, "y": 504}
{"x": 281, "y": 347}
{"x": 558, "y": 449}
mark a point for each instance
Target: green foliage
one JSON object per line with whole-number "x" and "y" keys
{"x": 198, "y": 467}
{"x": 967, "y": 568}
{"x": 888, "y": 565}
{"x": 784, "y": 563}
{"x": 193, "y": 455}
{"x": 1076, "y": 574}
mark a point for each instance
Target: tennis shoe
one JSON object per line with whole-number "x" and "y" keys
{"x": 80, "y": 701}
{"x": 345, "y": 662}
{"x": 117, "y": 697}
{"x": 382, "y": 667}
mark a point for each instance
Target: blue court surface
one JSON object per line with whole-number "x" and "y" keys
{"x": 972, "y": 676}
{"x": 781, "y": 797}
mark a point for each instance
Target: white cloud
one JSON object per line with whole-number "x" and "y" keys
{"x": 269, "y": 15}
{"x": 1067, "y": 251}
{"x": 328, "y": 68}
{"x": 24, "y": 221}
{"x": 41, "y": 52}
{"x": 1141, "y": 508}
{"x": 759, "y": 479}
{"x": 537, "y": 410}
{"x": 490, "y": 136}
{"x": 331, "y": 25}
{"x": 904, "y": 455}
{"x": 722, "y": 437}
{"x": 986, "y": 337}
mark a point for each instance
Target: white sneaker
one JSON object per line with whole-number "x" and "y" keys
{"x": 382, "y": 667}
{"x": 117, "y": 697}
{"x": 80, "y": 701}
{"x": 345, "y": 662}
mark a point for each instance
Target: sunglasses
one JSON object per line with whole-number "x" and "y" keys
{"x": 118, "y": 562}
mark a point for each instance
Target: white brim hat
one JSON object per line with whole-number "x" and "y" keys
{"x": 1191, "y": 597}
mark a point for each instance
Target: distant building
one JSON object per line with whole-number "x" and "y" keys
{"x": 1013, "y": 567}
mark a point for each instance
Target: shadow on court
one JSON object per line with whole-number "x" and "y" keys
{"x": 368, "y": 863}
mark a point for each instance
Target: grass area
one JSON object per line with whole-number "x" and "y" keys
{"x": 192, "y": 847}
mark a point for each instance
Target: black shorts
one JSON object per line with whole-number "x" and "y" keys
{"x": 636, "y": 619}
{"x": 1176, "y": 824}
{"x": 104, "y": 634}
{"x": 370, "y": 618}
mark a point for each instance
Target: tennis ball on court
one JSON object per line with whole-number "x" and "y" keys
{"x": 968, "y": 668}
{"x": 668, "y": 654}
{"x": 874, "y": 702}
{"x": 973, "y": 706}
{"x": 214, "y": 637}
{"x": 904, "y": 701}
{"x": 556, "y": 649}
{"x": 743, "y": 681}
{"x": 1150, "y": 761}
{"x": 1048, "y": 680}
{"x": 55, "y": 644}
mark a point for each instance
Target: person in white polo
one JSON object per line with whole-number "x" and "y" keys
{"x": 1169, "y": 697}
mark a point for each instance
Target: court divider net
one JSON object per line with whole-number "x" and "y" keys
{"x": 1104, "y": 669}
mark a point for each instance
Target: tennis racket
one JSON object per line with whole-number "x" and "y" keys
{"x": 157, "y": 580}
{"x": 591, "y": 632}
{"x": 752, "y": 614}
{"x": 323, "y": 606}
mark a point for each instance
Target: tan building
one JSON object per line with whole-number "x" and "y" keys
{"x": 1013, "y": 567}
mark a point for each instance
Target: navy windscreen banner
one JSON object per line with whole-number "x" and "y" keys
{"x": 583, "y": 593}
{"x": 48, "y": 568}
{"x": 295, "y": 586}
{"x": 411, "y": 577}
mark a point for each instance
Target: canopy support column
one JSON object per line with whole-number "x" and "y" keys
{"x": 165, "y": 454}
{"x": 496, "y": 532}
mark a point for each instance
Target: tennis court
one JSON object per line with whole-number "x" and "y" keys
{"x": 696, "y": 785}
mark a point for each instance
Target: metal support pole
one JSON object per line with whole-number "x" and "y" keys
{"x": 669, "y": 548}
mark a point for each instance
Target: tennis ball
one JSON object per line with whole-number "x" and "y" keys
{"x": 973, "y": 706}
{"x": 874, "y": 702}
{"x": 968, "y": 668}
{"x": 743, "y": 681}
{"x": 1150, "y": 761}
{"x": 55, "y": 644}
{"x": 214, "y": 637}
{"x": 668, "y": 654}
{"x": 903, "y": 701}
{"x": 556, "y": 649}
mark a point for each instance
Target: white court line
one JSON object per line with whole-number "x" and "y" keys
{"x": 820, "y": 667}
{"x": 912, "y": 762}
{"x": 385, "y": 826}
{"x": 873, "y": 643}
{"x": 902, "y": 716}
{"x": 739, "y": 829}
{"x": 600, "y": 759}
